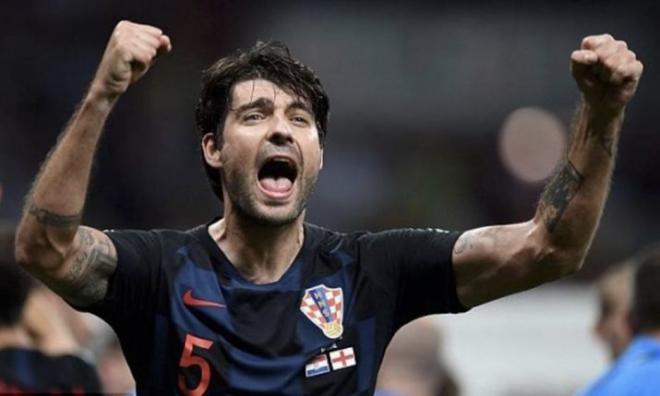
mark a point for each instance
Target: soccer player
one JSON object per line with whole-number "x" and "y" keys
{"x": 614, "y": 295}
{"x": 258, "y": 301}
{"x": 636, "y": 371}
{"x": 38, "y": 352}
{"x": 413, "y": 363}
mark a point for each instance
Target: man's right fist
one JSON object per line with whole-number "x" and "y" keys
{"x": 130, "y": 52}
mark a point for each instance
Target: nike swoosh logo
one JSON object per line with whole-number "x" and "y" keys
{"x": 191, "y": 301}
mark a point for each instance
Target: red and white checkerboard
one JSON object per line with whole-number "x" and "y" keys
{"x": 331, "y": 322}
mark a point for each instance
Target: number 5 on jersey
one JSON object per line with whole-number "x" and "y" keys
{"x": 189, "y": 360}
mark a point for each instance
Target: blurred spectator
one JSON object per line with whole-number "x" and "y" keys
{"x": 38, "y": 351}
{"x": 614, "y": 288}
{"x": 113, "y": 369}
{"x": 637, "y": 370}
{"x": 412, "y": 365}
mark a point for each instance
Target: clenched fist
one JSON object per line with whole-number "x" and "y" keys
{"x": 607, "y": 72}
{"x": 131, "y": 50}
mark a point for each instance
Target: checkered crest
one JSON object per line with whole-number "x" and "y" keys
{"x": 324, "y": 307}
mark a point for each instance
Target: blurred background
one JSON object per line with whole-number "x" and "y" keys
{"x": 443, "y": 114}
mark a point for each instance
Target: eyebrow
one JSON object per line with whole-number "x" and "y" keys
{"x": 298, "y": 104}
{"x": 267, "y": 103}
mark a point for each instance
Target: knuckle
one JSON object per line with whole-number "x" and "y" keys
{"x": 622, "y": 70}
{"x": 123, "y": 24}
{"x": 616, "y": 67}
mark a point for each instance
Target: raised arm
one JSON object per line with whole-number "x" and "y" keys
{"x": 73, "y": 260}
{"x": 492, "y": 262}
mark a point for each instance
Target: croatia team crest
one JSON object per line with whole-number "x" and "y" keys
{"x": 324, "y": 307}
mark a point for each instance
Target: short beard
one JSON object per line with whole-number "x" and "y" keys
{"x": 244, "y": 201}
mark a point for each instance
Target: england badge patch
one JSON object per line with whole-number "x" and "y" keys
{"x": 342, "y": 358}
{"x": 324, "y": 307}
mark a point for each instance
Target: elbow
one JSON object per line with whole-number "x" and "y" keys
{"x": 25, "y": 253}
{"x": 557, "y": 261}
{"x": 564, "y": 263}
{"x": 36, "y": 253}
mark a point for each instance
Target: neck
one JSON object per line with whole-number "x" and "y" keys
{"x": 14, "y": 336}
{"x": 261, "y": 254}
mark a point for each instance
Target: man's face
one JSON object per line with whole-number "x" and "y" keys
{"x": 270, "y": 155}
{"x": 612, "y": 325}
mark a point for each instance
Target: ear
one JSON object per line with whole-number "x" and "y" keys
{"x": 321, "y": 160}
{"x": 211, "y": 151}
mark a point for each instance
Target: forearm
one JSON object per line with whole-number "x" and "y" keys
{"x": 54, "y": 206}
{"x": 492, "y": 262}
{"x": 573, "y": 202}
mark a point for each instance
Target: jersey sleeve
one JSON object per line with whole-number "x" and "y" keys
{"x": 132, "y": 288}
{"x": 414, "y": 267}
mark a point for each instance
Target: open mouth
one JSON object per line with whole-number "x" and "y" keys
{"x": 277, "y": 176}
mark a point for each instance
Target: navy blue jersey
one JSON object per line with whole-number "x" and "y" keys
{"x": 29, "y": 371}
{"x": 189, "y": 323}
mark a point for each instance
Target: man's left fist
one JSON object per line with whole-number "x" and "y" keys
{"x": 606, "y": 72}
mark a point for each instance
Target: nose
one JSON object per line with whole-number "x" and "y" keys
{"x": 280, "y": 133}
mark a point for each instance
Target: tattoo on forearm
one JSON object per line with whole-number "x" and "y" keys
{"x": 90, "y": 269}
{"x": 470, "y": 239}
{"x": 608, "y": 144}
{"x": 49, "y": 218}
{"x": 464, "y": 243}
{"x": 558, "y": 194}
{"x": 586, "y": 130}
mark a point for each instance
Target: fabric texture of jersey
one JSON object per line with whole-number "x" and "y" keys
{"x": 28, "y": 371}
{"x": 189, "y": 323}
{"x": 635, "y": 372}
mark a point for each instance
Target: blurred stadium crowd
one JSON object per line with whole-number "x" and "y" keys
{"x": 423, "y": 100}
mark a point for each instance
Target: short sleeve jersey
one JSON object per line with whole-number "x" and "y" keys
{"x": 29, "y": 371}
{"x": 635, "y": 372}
{"x": 190, "y": 324}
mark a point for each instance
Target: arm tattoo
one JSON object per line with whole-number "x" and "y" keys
{"x": 87, "y": 279}
{"x": 464, "y": 243}
{"x": 558, "y": 194}
{"x": 470, "y": 239}
{"x": 608, "y": 144}
{"x": 585, "y": 130}
{"x": 48, "y": 218}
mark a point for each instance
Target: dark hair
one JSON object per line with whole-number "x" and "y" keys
{"x": 15, "y": 284}
{"x": 270, "y": 61}
{"x": 646, "y": 294}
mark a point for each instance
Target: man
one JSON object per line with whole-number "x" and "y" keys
{"x": 38, "y": 353}
{"x": 614, "y": 289}
{"x": 637, "y": 369}
{"x": 260, "y": 302}
{"x": 413, "y": 363}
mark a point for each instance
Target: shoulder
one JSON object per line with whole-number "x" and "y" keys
{"x": 406, "y": 239}
{"x": 156, "y": 236}
{"x": 329, "y": 241}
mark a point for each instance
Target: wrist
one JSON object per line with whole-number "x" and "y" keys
{"x": 100, "y": 98}
{"x": 604, "y": 114}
